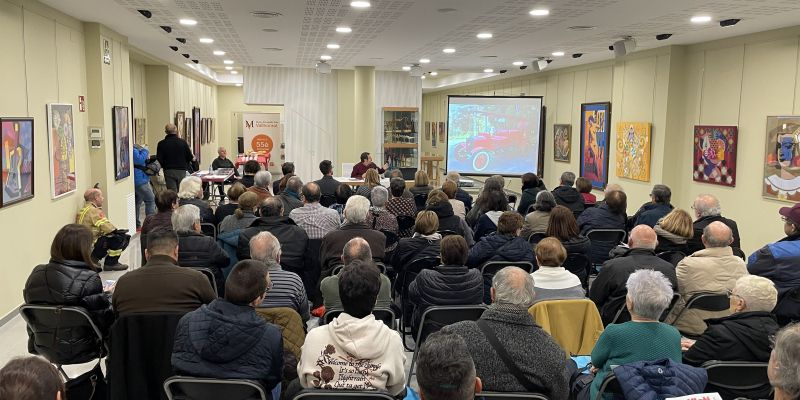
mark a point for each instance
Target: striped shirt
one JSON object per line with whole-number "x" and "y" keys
{"x": 315, "y": 219}
{"x": 287, "y": 291}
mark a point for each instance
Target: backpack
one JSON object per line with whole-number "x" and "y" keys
{"x": 151, "y": 167}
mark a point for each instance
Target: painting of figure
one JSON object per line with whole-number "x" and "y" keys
{"x": 196, "y": 143}
{"x": 122, "y": 146}
{"x": 61, "y": 140}
{"x": 782, "y": 159}
{"x": 715, "y": 154}
{"x": 16, "y": 160}
{"x": 180, "y": 123}
{"x": 139, "y": 131}
{"x": 633, "y": 150}
{"x": 562, "y": 142}
{"x": 595, "y": 120}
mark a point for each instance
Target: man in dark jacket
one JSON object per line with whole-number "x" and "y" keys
{"x": 659, "y": 206}
{"x": 227, "y": 339}
{"x": 609, "y": 288}
{"x": 504, "y": 245}
{"x": 780, "y": 261}
{"x": 568, "y": 196}
{"x": 327, "y": 185}
{"x": 196, "y": 250}
{"x": 222, "y": 161}
{"x": 174, "y": 155}
{"x": 355, "y": 216}
{"x": 290, "y": 196}
{"x": 531, "y": 186}
{"x": 707, "y": 210}
{"x": 461, "y": 194}
{"x": 293, "y": 239}
{"x": 287, "y": 169}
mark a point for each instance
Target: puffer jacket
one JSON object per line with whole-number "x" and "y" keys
{"x": 228, "y": 241}
{"x": 228, "y": 341}
{"x": 487, "y": 224}
{"x": 742, "y": 336}
{"x": 200, "y": 251}
{"x": 600, "y": 217}
{"x": 778, "y": 262}
{"x": 652, "y": 380}
{"x": 412, "y": 248}
{"x": 444, "y": 285}
{"x": 293, "y": 333}
{"x": 140, "y": 155}
{"x": 293, "y": 239}
{"x": 448, "y": 221}
{"x": 569, "y": 197}
{"x": 500, "y": 248}
{"x": 649, "y": 214}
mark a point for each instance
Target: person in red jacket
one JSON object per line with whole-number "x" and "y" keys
{"x": 366, "y": 163}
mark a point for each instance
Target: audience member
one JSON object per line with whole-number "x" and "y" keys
{"x": 355, "y": 214}
{"x": 360, "y": 169}
{"x": 160, "y": 285}
{"x": 229, "y": 208}
{"x": 608, "y": 289}
{"x": 421, "y": 184}
{"x": 424, "y": 243}
{"x": 779, "y": 261}
{"x": 533, "y": 352}
{"x": 380, "y": 219}
{"x": 397, "y": 174}
{"x": 568, "y": 196}
{"x": 287, "y": 171}
{"x": 531, "y": 187}
{"x": 584, "y": 187}
{"x": 449, "y": 189}
{"x": 448, "y": 222}
{"x": 651, "y": 212}
{"x": 195, "y": 249}
{"x": 343, "y": 192}
{"x": 714, "y": 269}
{"x": 445, "y": 370}
{"x": 461, "y": 194}
{"x": 315, "y": 219}
{"x": 108, "y": 241}
{"x": 707, "y": 210}
{"x": 371, "y": 180}
{"x": 143, "y": 192}
{"x": 327, "y": 185}
{"x": 290, "y": 195}
{"x": 249, "y": 172}
{"x": 222, "y": 162}
{"x": 643, "y": 338}
{"x": 293, "y": 239}
{"x": 553, "y": 281}
{"x": 166, "y": 201}
{"x": 227, "y": 339}
{"x": 354, "y": 351}
{"x": 562, "y": 226}
{"x": 505, "y": 245}
{"x": 286, "y": 288}
{"x": 356, "y": 250}
{"x": 191, "y": 192}
{"x": 610, "y": 214}
{"x": 538, "y": 219}
{"x": 400, "y": 205}
{"x": 673, "y": 231}
{"x": 490, "y": 185}
{"x": 261, "y": 184}
{"x": 244, "y": 214}
{"x": 175, "y": 157}
{"x": 495, "y": 204}
{"x": 784, "y": 362}
{"x": 31, "y": 378}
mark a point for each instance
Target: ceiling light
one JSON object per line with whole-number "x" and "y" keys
{"x": 449, "y": 50}
{"x": 206, "y": 40}
{"x": 333, "y": 46}
{"x": 343, "y": 29}
{"x": 325, "y": 57}
{"x": 424, "y": 60}
{"x": 229, "y": 62}
{"x": 485, "y": 35}
{"x": 518, "y": 63}
{"x": 229, "y": 68}
{"x": 182, "y": 40}
{"x": 558, "y": 53}
{"x": 235, "y": 72}
{"x": 238, "y": 85}
{"x": 187, "y": 21}
{"x": 488, "y": 70}
{"x": 539, "y": 12}
{"x": 406, "y": 68}
{"x": 360, "y": 4}
{"x": 422, "y": 77}
{"x": 701, "y": 19}
{"x": 219, "y": 53}
{"x": 434, "y": 73}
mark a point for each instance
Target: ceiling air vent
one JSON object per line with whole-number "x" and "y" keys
{"x": 269, "y": 30}
{"x": 272, "y": 48}
{"x": 266, "y": 14}
{"x": 581, "y": 27}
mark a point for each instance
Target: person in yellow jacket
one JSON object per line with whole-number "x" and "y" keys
{"x": 109, "y": 242}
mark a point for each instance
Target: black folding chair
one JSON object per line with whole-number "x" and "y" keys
{"x": 510, "y": 396}
{"x": 419, "y": 200}
{"x": 403, "y": 281}
{"x": 446, "y": 232}
{"x": 602, "y": 241}
{"x": 326, "y": 200}
{"x": 492, "y": 267}
{"x": 610, "y": 385}
{"x": 705, "y": 301}
{"x": 391, "y": 238}
{"x": 192, "y": 388}
{"x": 210, "y": 275}
{"x": 579, "y": 265}
{"x": 310, "y": 394}
{"x": 209, "y": 229}
{"x": 623, "y": 315}
{"x": 536, "y": 237}
{"x": 735, "y": 379}
{"x": 739, "y": 253}
{"x": 788, "y": 308}
{"x": 673, "y": 256}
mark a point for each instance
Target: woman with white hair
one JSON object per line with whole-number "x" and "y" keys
{"x": 382, "y": 220}
{"x": 644, "y": 338}
{"x": 190, "y": 191}
{"x": 784, "y": 364}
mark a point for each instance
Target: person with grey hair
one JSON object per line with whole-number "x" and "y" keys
{"x": 356, "y": 249}
{"x": 287, "y": 288}
{"x": 714, "y": 269}
{"x": 222, "y": 161}
{"x": 538, "y": 220}
{"x": 381, "y": 219}
{"x": 445, "y": 370}
{"x": 784, "y": 364}
{"x": 643, "y": 338}
{"x": 707, "y": 210}
{"x": 608, "y": 289}
{"x": 191, "y": 192}
{"x": 532, "y": 350}
{"x": 261, "y": 184}
{"x": 658, "y": 206}
{"x": 355, "y": 225}
{"x": 290, "y": 195}
{"x": 195, "y": 249}
{"x": 461, "y": 194}
{"x": 567, "y": 196}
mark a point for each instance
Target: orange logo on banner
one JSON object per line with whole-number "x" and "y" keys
{"x": 261, "y": 144}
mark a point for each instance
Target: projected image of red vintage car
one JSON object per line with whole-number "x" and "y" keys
{"x": 492, "y": 141}
{"x": 485, "y": 148}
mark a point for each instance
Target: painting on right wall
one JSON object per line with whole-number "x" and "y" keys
{"x": 782, "y": 159}
{"x": 715, "y": 154}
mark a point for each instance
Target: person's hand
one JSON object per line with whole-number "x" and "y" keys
{"x": 109, "y": 286}
{"x": 686, "y": 344}
{"x": 594, "y": 370}
{"x": 385, "y": 166}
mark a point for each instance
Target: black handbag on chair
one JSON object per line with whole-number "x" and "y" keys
{"x": 90, "y": 385}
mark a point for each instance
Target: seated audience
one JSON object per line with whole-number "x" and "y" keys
{"x": 355, "y": 350}
{"x": 449, "y": 223}
{"x": 224, "y": 210}
{"x": 496, "y": 204}
{"x": 537, "y": 220}
{"x": 356, "y": 250}
{"x": 315, "y": 219}
{"x": 449, "y": 189}
{"x": 608, "y": 290}
{"x": 461, "y": 194}
{"x": 327, "y": 185}
{"x": 371, "y": 179}
{"x": 531, "y": 187}
{"x": 396, "y": 173}
{"x": 287, "y": 171}
{"x": 445, "y": 370}
{"x": 779, "y": 261}
{"x": 532, "y": 350}
{"x": 784, "y": 362}
{"x": 505, "y": 245}
{"x": 243, "y": 216}
{"x": 191, "y": 192}
{"x": 562, "y": 226}
{"x": 707, "y": 210}
{"x": 160, "y": 285}
{"x": 290, "y": 195}
{"x": 261, "y": 183}
{"x": 380, "y": 219}
{"x": 552, "y": 280}
{"x": 195, "y": 249}
{"x": 355, "y": 214}
{"x": 108, "y": 242}
{"x": 31, "y": 378}
{"x": 651, "y": 212}
{"x": 166, "y": 201}
{"x": 70, "y": 278}
{"x": 610, "y": 214}
{"x": 249, "y": 171}
{"x": 673, "y": 231}
{"x": 293, "y": 239}
{"x": 714, "y": 269}
{"x": 287, "y": 288}
{"x": 421, "y": 185}
{"x": 451, "y": 283}
{"x": 343, "y": 192}
{"x": 424, "y": 243}
{"x": 584, "y": 187}
{"x": 490, "y": 185}
{"x": 568, "y": 196}
{"x": 221, "y": 162}
{"x": 227, "y": 339}
{"x": 643, "y": 338}
{"x": 401, "y": 205}
{"x": 744, "y": 335}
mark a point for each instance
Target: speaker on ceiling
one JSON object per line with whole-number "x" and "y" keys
{"x": 623, "y": 47}
{"x": 539, "y": 65}
{"x": 415, "y": 71}
{"x": 323, "y": 67}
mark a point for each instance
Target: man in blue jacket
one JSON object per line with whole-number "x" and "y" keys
{"x": 780, "y": 261}
{"x": 141, "y": 182}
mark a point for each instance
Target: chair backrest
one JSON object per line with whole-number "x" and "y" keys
{"x": 739, "y": 253}
{"x": 576, "y": 334}
{"x": 623, "y": 315}
{"x": 512, "y": 201}
{"x": 580, "y": 265}
{"x": 191, "y": 388}
{"x": 709, "y": 302}
{"x": 420, "y": 199}
{"x": 337, "y": 269}
{"x": 738, "y": 378}
{"x": 421, "y": 263}
{"x": 788, "y": 308}
{"x": 310, "y": 394}
{"x": 63, "y": 334}
{"x": 603, "y": 240}
{"x": 536, "y": 237}
{"x": 405, "y": 222}
{"x": 491, "y": 267}
{"x": 209, "y": 229}
{"x": 610, "y": 385}
{"x": 210, "y": 275}
{"x": 381, "y": 266}
{"x": 436, "y": 317}
{"x": 391, "y": 238}
{"x": 509, "y": 395}
{"x": 673, "y": 256}
{"x": 446, "y": 232}
{"x": 326, "y": 200}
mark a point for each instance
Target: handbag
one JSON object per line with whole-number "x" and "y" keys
{"x": 529, "y": 386}
{"x": 90, "y": 385}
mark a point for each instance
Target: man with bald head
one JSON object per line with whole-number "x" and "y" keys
{"x": 175, "y": 157}
{"x": 707, "y": 210}
{"x": 714, "y": 269}
{"x": 609, "y": 289}
{"x": 312, "y": 216}
{"x": 222, "y": 161}
{"x": 109, "y": 242}
{"x": 356, "y": 250}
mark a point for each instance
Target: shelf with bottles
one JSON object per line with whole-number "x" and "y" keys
{"x": 401, "y": 158}
{"x": 401, "y": 136}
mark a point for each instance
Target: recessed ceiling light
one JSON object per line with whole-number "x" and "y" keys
{"x": 227, "y": 62}
{"x": 325, "y": 57}
{"x": 406, "y": 68}
{"x": 238, "y": 85}
{"x": 701, "y": 19}
{"x": 558, "y": 53}
{"x": 333, "y": 46}
{"x": 229, "y": 68}
{"x": 235, "y": 72}
{"x": 539, "y": 12}
{"x": 188, "y": 21}
{"x": 518, "y": 63}
{"x": 449, "y": 50}
{"x": 343, "y": 29}
{"x": 434, "y": 73}
{"x": 485, "y": 35}
{"x": 424, "y": 60}
{"x": 488, "y": 70}
{"x": 206, "y": 40}
{"x": 360, "y": 4}
{"x": 422, "y": 77}
{"x": 219, "y": 53}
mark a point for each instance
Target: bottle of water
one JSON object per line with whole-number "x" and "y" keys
{"x": 210, "y": 171}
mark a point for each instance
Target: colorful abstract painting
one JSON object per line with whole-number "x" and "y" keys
{"x": 595, "y": 121}
{"x": 782, "y": 159}
{"x": 633, "y": 150}
{"x": 16, "y": 160}
{"x": 122, "y": 143}
{"x": 61, "y": 140}
{"x": 715, "y": 154}
{"x": 562, "y": 142}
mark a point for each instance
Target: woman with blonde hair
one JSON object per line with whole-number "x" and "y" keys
{"x": 244, "y": 214}
{"x": 371, "y": 179}
{"x": 674, "y": 231}
{"x": 421, "y": 183}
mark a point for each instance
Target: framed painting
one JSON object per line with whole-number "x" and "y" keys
{"x": 189, "y": 138}
{"x": 61, "y": 141}
{"x": 211, "y": 129}
{"x": 139, "y": 131}
{"x": 442, "y": 131}
{"x": 16, "y": 160}
{"x": 562, "y": 142}
{"x": 595, "y": 127}
{"x": 122, "y": 143}
{"x": 180, "y": 122}
{"x": 196, "y": 144}
{"x": 782, "y": 159}
{"x": 715, "y": 154}
{"x": 633, "y": 150}
{"x": 434, "y": 128}
{"x": 427, "y": 130}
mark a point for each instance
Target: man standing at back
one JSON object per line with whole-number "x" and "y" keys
{"x": 174, "y": 155}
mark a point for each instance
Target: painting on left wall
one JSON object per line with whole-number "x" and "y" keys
{"x": 61, "y": 140}
{"x": 16, "y": 160}
{"x": 122, "y": 143}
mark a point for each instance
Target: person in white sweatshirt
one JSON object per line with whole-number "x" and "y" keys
{"x": 551, "y": 280}
{"x": 354, "y": 351}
